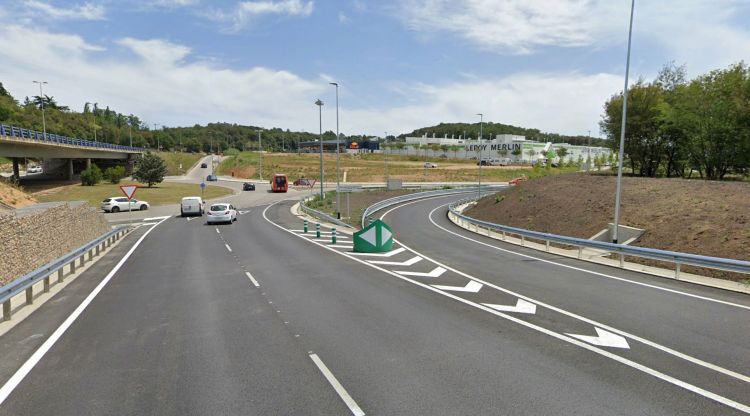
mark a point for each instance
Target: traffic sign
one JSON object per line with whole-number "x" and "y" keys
{"x": 129, "y": 190}
{"x": 203, "y": 186}
{"x": 375, "y": 238}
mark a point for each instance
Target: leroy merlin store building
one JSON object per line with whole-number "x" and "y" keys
{"x": 503, "y": 146}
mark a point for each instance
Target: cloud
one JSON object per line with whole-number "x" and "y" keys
{"x": 568, "y": 103}
{"x": 343, "y": 18}
{"x": 156, "y": 51}
{"x": 245, "y": 12}
{"x": 87, "y": 11}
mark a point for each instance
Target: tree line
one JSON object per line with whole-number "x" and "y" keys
{"x": 677, "y": 127}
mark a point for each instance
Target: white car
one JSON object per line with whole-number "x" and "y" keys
{"x": 192, "y": 205}
{"x": 430, "y": 165}
{"x": 34, "y": 169}
{"x": 120, "y": 203}
{"x": 222, "y": 212}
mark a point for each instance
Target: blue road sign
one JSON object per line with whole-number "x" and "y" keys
{"x": 203, "y": 186}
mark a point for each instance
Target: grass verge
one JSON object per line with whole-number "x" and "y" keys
{"x": 176, "y": 159}
{"x": 162, "y": 194}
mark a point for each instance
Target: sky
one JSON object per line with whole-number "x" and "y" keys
{"x": 400, "y": 64}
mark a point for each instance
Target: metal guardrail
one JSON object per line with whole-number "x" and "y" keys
{"x": 321, "y": 215}
{"x": 27, "y": 282}
{"x": 12, "y": 131}
{"x": 419, "y": 195}
{"x": 732, "y": 265}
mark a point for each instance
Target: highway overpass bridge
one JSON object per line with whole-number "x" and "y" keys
{"x": 62, "y": 154}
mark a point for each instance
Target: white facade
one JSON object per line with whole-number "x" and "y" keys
{"x": 502, "y": 146}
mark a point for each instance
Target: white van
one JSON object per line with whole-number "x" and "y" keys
{"x": 191, "y": 205}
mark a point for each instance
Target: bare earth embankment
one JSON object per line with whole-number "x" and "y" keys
{"x": 690, "y": 216}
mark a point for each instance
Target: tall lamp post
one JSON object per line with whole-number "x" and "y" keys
{"x": 41, "y": 100}
{"x": 320, "y": 139}
{"x": 481, "y": 125}
{"x": 158, "y": 142}
{"x": 260, "y": 155}
{"x": 622, "y": 128}
{"x": 130, "y": 131}
{"x": 385, "y": 144}
{"x": 338, "y": 198}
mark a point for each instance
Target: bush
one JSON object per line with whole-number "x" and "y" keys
{"x": 91, "y": 176}
{"x": 231, "y": 152}
{"x": 151, "y": 169}
{"x": 114, "y": 174}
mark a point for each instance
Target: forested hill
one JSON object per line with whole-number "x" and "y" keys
{"x": 110, "y": 126}
{"x": 491, "y": 129}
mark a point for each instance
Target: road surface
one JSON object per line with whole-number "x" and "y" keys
{"x": 256, "y": 318}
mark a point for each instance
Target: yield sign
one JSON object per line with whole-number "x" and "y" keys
{"x": 375, "y": 238}
{"x": 129, "y": 190}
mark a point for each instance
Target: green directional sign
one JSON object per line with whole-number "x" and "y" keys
{"x": 375, "y": 238}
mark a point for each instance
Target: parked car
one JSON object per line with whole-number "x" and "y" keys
{"x": 192, "y": 205}
{"x": 222, "y": 212}
{"x": 303, "y": 182}
{"x": 203, "y": 165}
{"x": 120, "y": 203}
{"x": 34, "y": 169}
{"x": 517, "y": 181}
{"x": 248, "y": 186}
{"x": 211, "y": 178}
{"x": 430, "y": 165}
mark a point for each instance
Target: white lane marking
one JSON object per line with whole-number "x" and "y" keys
{"x": 521, "y": 306}
{"x": 388, "y": 254}
{"x": 562, "y": 337}
{"x": 189, "y": 219}
{"x": 339, "y": 246}
{"x": 228, "y": 248}
{"x": 412, "y": 261}
{"x": 217, "y": 230}
{"x": 324, "y": 240}
{"x": 27, "y": 366}
{"x": 156, "y": 218}
{"x": 471, "y": 287}
{"x": 604, "y": 339}
{"x": 340, "y": 390}
{"x": 584, "y": 270}
{"x": 652, "y": 344}
{"x": 436, "y": 272}
{"x": 252, "y": 279}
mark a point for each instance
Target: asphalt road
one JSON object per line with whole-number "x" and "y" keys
{"x": 182, "y": 328}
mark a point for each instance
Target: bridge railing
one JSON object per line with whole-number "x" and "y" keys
{"x": 27, "y": 134}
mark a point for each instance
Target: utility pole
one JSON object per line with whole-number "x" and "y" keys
{"x": 481, "y": 125}
{"x": 260, "y": 155}
{"x": 622, "y": 129}
{"x": 41, "y": 100}
{"x": 338, "y": 184}
{"x": 320, "y": 139}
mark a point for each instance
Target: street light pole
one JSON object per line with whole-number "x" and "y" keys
{"x": 622, "y": 129}
{"x": 260, "y": 155}
{"x": 481, "y": 125}
{"x": 320, "y": 139}
{"x": 130, "y": 131}
{"x": 387, "y": 175}
{"x": 41, "y": 100}
{"x": 158, "y": 142}
{"x": 338, "y": 151}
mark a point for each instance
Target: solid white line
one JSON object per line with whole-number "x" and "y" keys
{"x": 562, "y": 337}
{"x": 217, "y": 231}
{"x": 388, "y": 254}
{"x": 252, "y": 279}
{"x": 583, "y": 270}
{"x": 27, "y": 366}
{"x": 228, "y": 248}
{"x": 350, "y": 403}
{"x": 156, "y": 218}
{"x": 339, "y": 246}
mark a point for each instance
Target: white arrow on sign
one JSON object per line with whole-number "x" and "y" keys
{"x": 407, "y": 263}
{"x": 604, "y": 339}
{"x": 472, "y": 287}
{"x": 370, "y": 236}
{"x": 385, "y": 235}
{"x": 521, "y": 306}
{"x": 436, "y": 272}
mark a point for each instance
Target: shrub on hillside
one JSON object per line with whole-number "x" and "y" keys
{"x": 91, "y": 176}
{"x": 114, "y": 174}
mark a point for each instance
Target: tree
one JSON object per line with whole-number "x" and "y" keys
{"x": 114, "y": 174}
{"x": 561, "y": 153}
{"x": 91, "y": 176}
{"x": 151, "y": 169}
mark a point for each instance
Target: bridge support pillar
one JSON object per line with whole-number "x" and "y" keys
{"x": 88, "y": 163}
{"x": 70, "y": 169}
{"x": 16, "y": 172}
